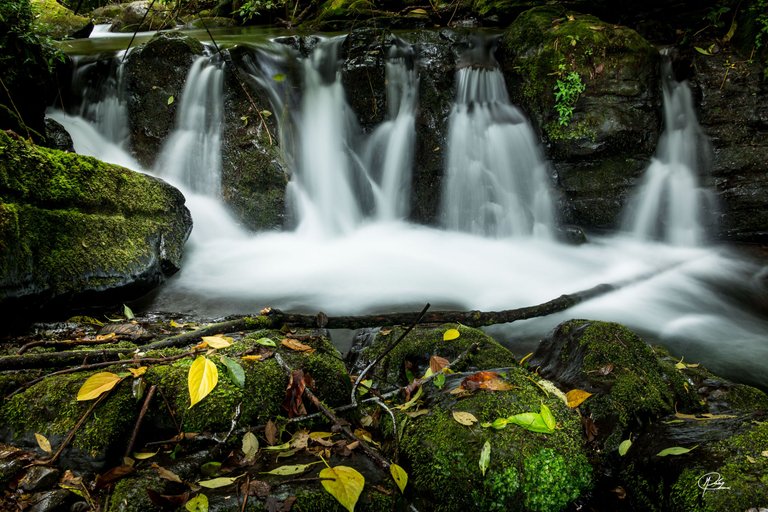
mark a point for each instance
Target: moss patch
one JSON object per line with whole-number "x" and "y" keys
{"x": 55, "y": 20}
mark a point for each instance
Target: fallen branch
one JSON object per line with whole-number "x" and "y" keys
{"x": 140, "y": 420}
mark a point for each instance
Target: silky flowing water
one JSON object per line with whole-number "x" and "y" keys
{"x": 351, "y": 251}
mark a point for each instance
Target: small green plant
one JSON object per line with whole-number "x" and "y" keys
{"x": 567, "y": 90}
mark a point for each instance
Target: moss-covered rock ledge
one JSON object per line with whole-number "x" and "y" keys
{"x": 77, "y": 232}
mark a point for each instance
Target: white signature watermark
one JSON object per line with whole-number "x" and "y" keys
{"x": 712, "y": 481}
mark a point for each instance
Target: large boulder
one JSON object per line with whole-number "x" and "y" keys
{"x": 140, "y": 16}
{"x": 75, "y": 231}
{"x": 603, "y": 129}
{"x": 55, "y": 20}
{"x": 155, "y": 75}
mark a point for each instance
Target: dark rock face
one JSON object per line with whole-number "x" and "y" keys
{"x": 253, "y": 177}
{"x": 76, "y": 232}
{"x": 155, "y": 72}
{"x": 734, "y": 114}
{"x": 601, "y": 150}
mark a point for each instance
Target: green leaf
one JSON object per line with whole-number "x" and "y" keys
{"x": 499, "y": 423}
{"x": 439, "y": 380}
{"x": 407, "y": 405}
{"x": 197, "y": 504}
{"x": 97, "y": 384}
{"x": 624, "y": 447}
{"x": 293, "y": 469}
{"x": 702, "y": 51}
{"x": 451, "y": 334}
{"x": 235, "y": 372}
{"x": 210, "y": 468}
{"x": 279, "y": 77}
{"x": 675, "y": 450}
{"x": 364, "y": 387}
{"x": 215, "y": 483}
{"x": 531, "y": 421}
{"x": 201, "y": 379}
{"x": 279, "y": 447}
{"x": 343, "y": 483}
{"x": 399, "y": 476}
{"x": 485, "y": 457}
{"x": 548, "y": 417}
{"x": 266, "y": 342}
{"x": 170, "y": 99}
{"x": 127, "y": 313}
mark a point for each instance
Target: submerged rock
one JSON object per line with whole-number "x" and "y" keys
{"x": 77, "y": 232}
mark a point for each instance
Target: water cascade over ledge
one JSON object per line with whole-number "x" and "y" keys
{"x": 361, "y": 256}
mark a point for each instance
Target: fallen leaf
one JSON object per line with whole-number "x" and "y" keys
{"x": 284, "y": 446}
{"x": 138, "y": 372}
{"x": 294, "y": 469}
{"x": 548, "y": 417}
{"x": 485, "y": 457}
{"x": 296, "y": 345}
{"x": 198, "y": 504}
{"x": 170, "y": 501}
{"x": 106, "y": 337}
{"x": 439, "y": 380}
{"x": 175, "y": 324}
{"x": 113, "y": 475}
{"x": 451, "y": 334}
{"x": 619, "y": 492}
{"x": 300, "y": 440}
{"x": 211, "y": 468}
{"x": 293, "y": 401}
{"x": 201, "y": 379}
{"x": 575, "y": 397}
{"x": 166, "y": 474}
{"x": 270, "y": 432}
{"x": 764, "y": 453}
{"x": 465, "y": 418}
{"x": 97, "y": 384}
{"x": 605, "y": 369}
{"x": 751, "y": 460}
{"x": 127, "y": 313}
{"x": 43, "y": 443}
{"x": 267, "y": 342}
{"x": 531, "y": 421}
{"x": 217, "y": 341}
{"x": 399, "y": 476}
{"x": 416, "y": 414}
{"x": 675, "y": 450}
{"x": 250, "y": 446}
{"x": 215, "y": 483}
{"x": 437, "y": 363}
{"x": 252, "y": 358}
{"x": 343, "y": 483}
{"x": 624, "y": 447}
{"x": 235, "y": 372}
{"x": 703, "y": 416}
{"x": 144, "y": 455}
{"x": 258, "y": 488}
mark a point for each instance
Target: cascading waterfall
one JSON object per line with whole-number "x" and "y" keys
{"x": 380, "y": 264}
{"x": 191, "y": 155}
{"x": 670, "y": 204}
{"x": 496, "y": 183}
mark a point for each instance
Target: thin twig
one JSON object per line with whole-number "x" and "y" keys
{"x": 140, "y": 419}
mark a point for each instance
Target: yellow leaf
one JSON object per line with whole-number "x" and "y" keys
{"x": 144, "y": 455}
{"x": 320, "y": 435}
{"x": 175, "y": 324}
{"x": 294, "y": 469}
{"x": 215, "y": 483}
{"x": 97, "y": 384}
{"x": 43, "y": 443}
{"x": 217, "y": 341}
{"x": 399, "y": 476}
{"x": 251, "y": 358}
{"x": 197, "y": 504}
{"x": 250, "y": 445}
{"x": 465, "y": 418}
{"x": 451, "y": 334}
{"x": 343, "y": 483}
{"x": 624, "y": 447}
{"x": 202, "y": 378}
{"x": 106, "y": 337}
{"x": 575, "y": 397}
{"x": 138, "y": 372}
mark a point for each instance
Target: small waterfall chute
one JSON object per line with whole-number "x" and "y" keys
{"x": 495, "y": 182}
{"x": 671, "y": 205}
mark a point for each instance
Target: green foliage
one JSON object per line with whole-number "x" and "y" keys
{"x": 758, "y": 10}
{"x": 567, "y": 90}
{"x": 550, "y": 483}
{"x": 252, "y": 8}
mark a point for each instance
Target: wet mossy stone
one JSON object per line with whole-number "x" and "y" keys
{"x": 420, "y": 344}
{"x": 50, "y": 408}
{"x": 55, "y": 20}
{"x": 136, "y": 17}
{"x": 630, "y": 385}
{"x": 77, "y": 232}
{"x": 528, "y": 471}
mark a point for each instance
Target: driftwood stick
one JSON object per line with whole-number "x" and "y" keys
{"x": 140, "y": 419}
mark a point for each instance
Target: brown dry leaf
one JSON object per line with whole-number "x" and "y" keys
{"x": 113, "y": 475}
{"x": 606, "y": 369}
{"x": 619, "y": 492}
{"x": 590, "y": 428}
{"x": 166, "y": 474}
{"x": 575, "y": 397}
{"x": 106, "y": 337}
{"x": 300, "y": 440}
{"x": 496, "y": 385}
{"x": 465, "y": 418}
{"x": 293, "y": 402}
{"x": 703, "y": 417}
{"x": 257, "y": 488}
{"x": 296, "y": 345}
{"x": 265, "y": 311}
{"x": 486, "y": 380}
{"x": 385, "y": 332}
{"x": 167, "y": 501}
{"x": 437, "y": 363}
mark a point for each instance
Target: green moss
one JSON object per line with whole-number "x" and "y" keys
{"x": 50, "y": 408}
{"x": 525, "y": 466}
{"x": 130, "y": 493}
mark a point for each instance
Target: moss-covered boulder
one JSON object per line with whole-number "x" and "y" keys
{"x": 136, "y": 16}
{"x": 528, "y": 470}
{"x": 253, "y": 177}
{"x": 55, "y": 20}
{"x": 630, "y": 385}
{"x": 155, "y": 72}
{"x": 75, "y": 231}
{"x": 593, "y": 90}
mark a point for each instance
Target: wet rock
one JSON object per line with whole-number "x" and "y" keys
{"x": 12, "y": 461}
{"x": 79, "y": 233}
{"x": 155, "y": 72}
{"x": 601, "y": 148}
{"x": 135, "y": 17}
{"x": 50, "y": 501}
{"x": 57, "y": 136}
{"x": 55, "y": 20}
{"x": 38, "y": 478}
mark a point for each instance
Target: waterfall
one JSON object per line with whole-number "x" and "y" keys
{"x": 495, "y": 182}
{"x": 342, "y": 178}
{"x": 670, "y": 203}
{"x": 191, "y": 155}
